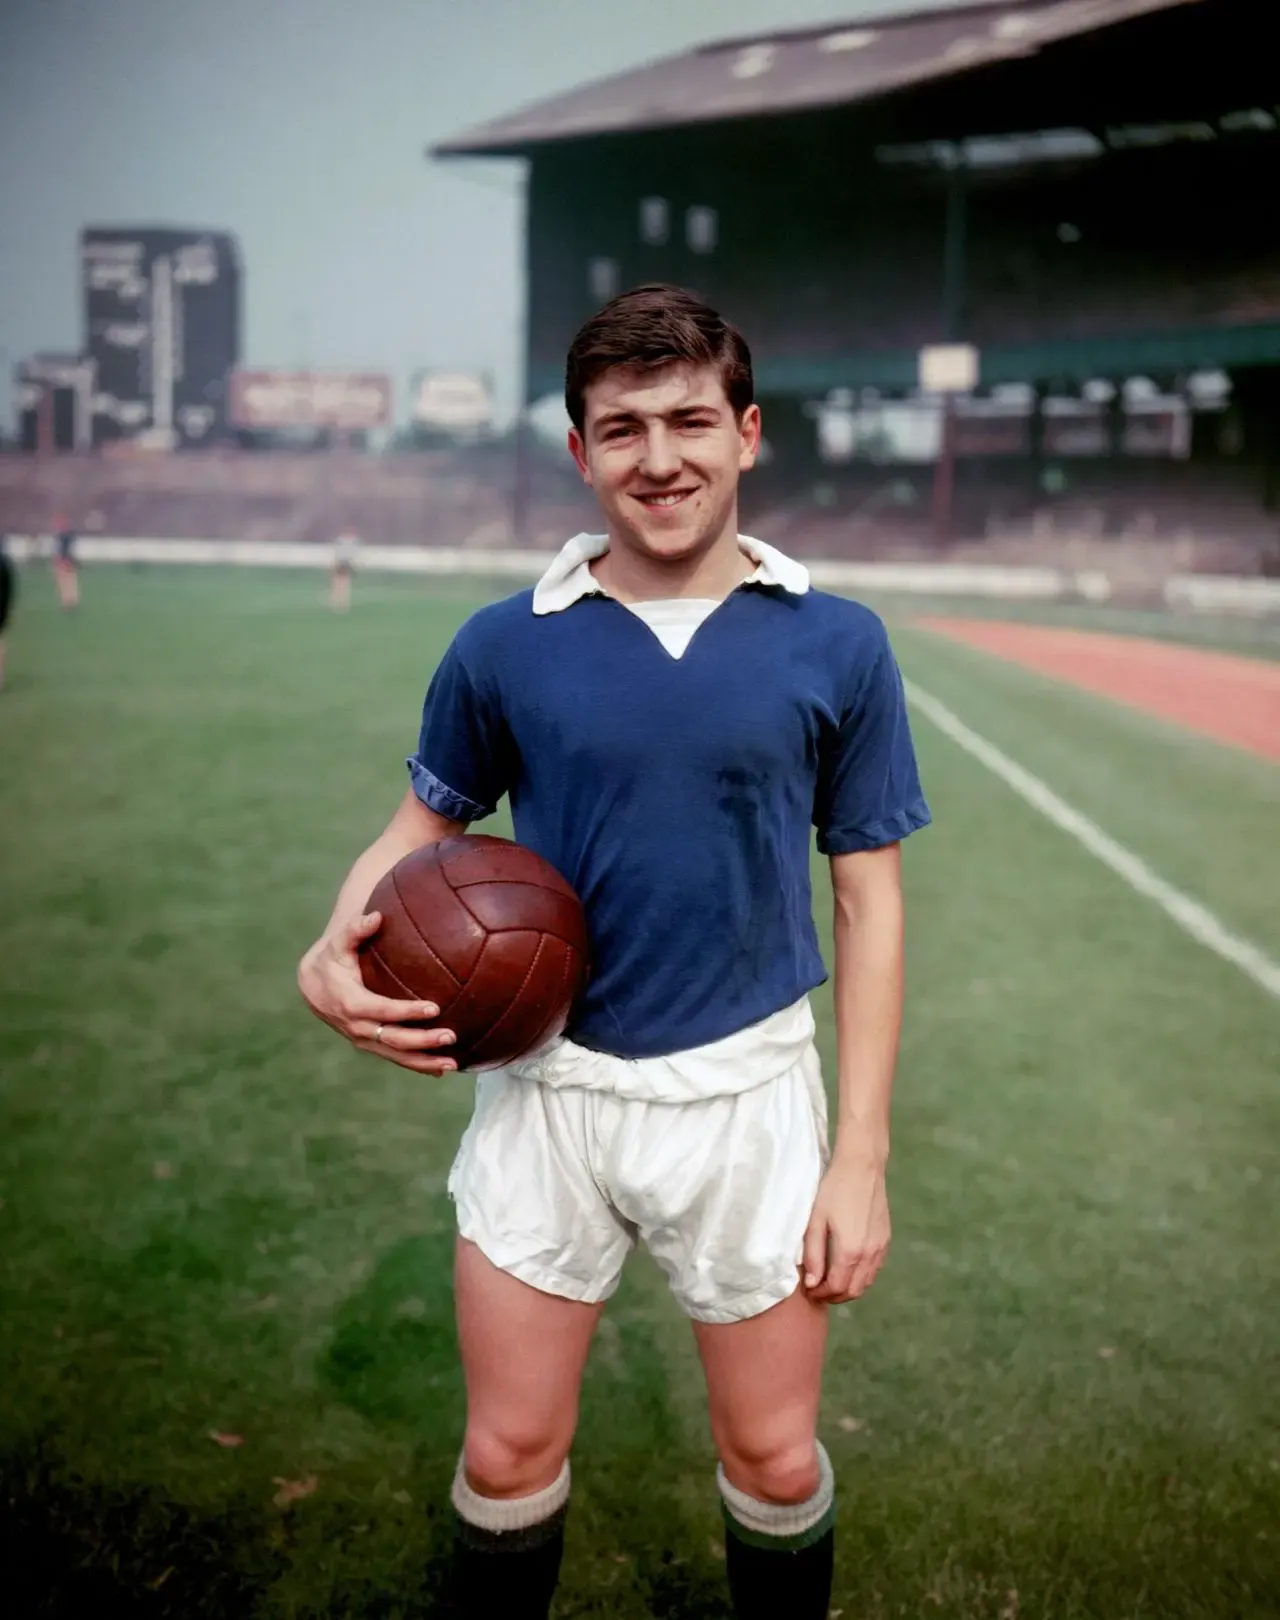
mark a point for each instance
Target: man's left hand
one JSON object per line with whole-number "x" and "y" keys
{"x": 848, "y": 1234}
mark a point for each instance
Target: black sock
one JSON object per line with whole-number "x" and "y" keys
{"x": 505, "y": 1574}
{"x": 768, "y": 1582}
{"x": 779, "y": 1555}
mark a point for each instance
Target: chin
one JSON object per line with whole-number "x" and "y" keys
{"x": 671, "y": 546}
{"x": 670, "y": 542}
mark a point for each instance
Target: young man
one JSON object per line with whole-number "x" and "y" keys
{"x": 8, "y": 590}
{"x": 669, "y": 710}
{"x": 66, "y": 569}
{"x": 345, "y": 550}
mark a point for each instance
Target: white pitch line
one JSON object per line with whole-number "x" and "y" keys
{"x": 1193, "y": 918}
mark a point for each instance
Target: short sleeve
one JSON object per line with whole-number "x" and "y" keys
{"x": 868, "y": 791}
{"x": 462, "y": 766}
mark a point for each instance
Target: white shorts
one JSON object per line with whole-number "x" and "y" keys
{"x": 556, "y": 1185}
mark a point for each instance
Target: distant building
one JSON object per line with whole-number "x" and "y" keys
{"x": 162, "y": 328}
{"x": 55, "y": 402}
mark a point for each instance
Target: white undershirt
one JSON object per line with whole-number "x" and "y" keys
{"x": 674, "y": 620}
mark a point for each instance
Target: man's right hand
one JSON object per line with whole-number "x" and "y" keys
{"x": 331, "y": 985}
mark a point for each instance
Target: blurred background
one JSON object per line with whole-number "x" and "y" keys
{"x": 321, "y": 272}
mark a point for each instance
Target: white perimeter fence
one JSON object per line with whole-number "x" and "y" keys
{"x": 1201, "y": 592}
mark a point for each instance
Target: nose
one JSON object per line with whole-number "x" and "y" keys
{"x": 661, "y": 457}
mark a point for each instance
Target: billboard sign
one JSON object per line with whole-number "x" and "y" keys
{"x": 948, "y": 368}
{"x": 345, "y": 401}
{"x": 453, "y": 402}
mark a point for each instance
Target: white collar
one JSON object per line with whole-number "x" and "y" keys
{"x": 569, "y": 577}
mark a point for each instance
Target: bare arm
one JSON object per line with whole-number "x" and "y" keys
{"x": 868, "y": 996}
{"x": 849, "y": 1232}
{"x": 329, "y": 974}
{"x": 410, "y": 827}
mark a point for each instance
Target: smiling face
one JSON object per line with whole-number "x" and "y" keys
{"x": 663, "y": 451}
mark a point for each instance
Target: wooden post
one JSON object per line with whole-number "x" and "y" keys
{"x": 944, "y": 474}
{"x": 953, "y": 282}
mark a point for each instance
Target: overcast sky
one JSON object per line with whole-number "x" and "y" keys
{"x": 300, "y": 125}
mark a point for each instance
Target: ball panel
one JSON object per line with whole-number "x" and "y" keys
{"x": 496, "y": 979}
{"x": 389, "y": 970}
{"x": 497, "y": 861}
{"x": 543, "y": 1006}
{"x": 380, "y": 977}
{"x": 499, "y": 906}
{"x": 455, "y": 935}
{"x": 540, "y": 1009}
{"x": 400, "y": 944}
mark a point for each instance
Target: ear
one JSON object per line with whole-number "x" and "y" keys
{"x": 749, "y": 429}
{"x": 578, "y": 450}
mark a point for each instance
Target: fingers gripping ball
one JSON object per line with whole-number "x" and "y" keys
{"x": 488, "y": 931}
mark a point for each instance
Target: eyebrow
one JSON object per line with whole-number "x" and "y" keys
{"x": 613, "y": 418}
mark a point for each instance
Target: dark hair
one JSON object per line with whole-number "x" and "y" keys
{"x": 652, "y": 326}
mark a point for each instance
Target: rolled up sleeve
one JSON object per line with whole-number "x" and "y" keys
{"x": 462, "y": 766}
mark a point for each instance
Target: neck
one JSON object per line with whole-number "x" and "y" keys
{"x": 712, "y": 573}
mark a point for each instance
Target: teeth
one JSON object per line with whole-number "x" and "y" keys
{"x": 662, "y": 500}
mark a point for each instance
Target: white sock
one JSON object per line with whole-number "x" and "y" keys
{"x": 781, "y": 1519}
{"x": 499, "y": 1514}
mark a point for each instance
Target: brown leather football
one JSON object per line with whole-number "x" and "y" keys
{"x": 491, "y": 933}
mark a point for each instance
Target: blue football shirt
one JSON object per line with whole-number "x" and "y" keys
{"x": 677, "y": 795}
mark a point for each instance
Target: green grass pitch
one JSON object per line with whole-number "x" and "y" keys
{"x": 1061, "y": 1400}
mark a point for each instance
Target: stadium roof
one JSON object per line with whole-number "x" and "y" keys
{"x": 829, "y": 66}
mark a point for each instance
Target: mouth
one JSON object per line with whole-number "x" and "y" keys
{"x": 665, "y": 500}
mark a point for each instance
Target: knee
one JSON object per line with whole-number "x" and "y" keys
{"x": 785, "y": 1473}
{"x": 510, "y": 1459}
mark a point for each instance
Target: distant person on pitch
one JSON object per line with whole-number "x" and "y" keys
{"x": 66, "y": 569}
{"x": 345, "y": 548}
{"x": 672, "y": 710}
{"x": 8, "y": 588}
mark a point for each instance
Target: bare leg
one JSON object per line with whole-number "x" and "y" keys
{"x": 763, "y": 1381}
{"x": 68, "y": 584}
{"x": 523, "y": 1353}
